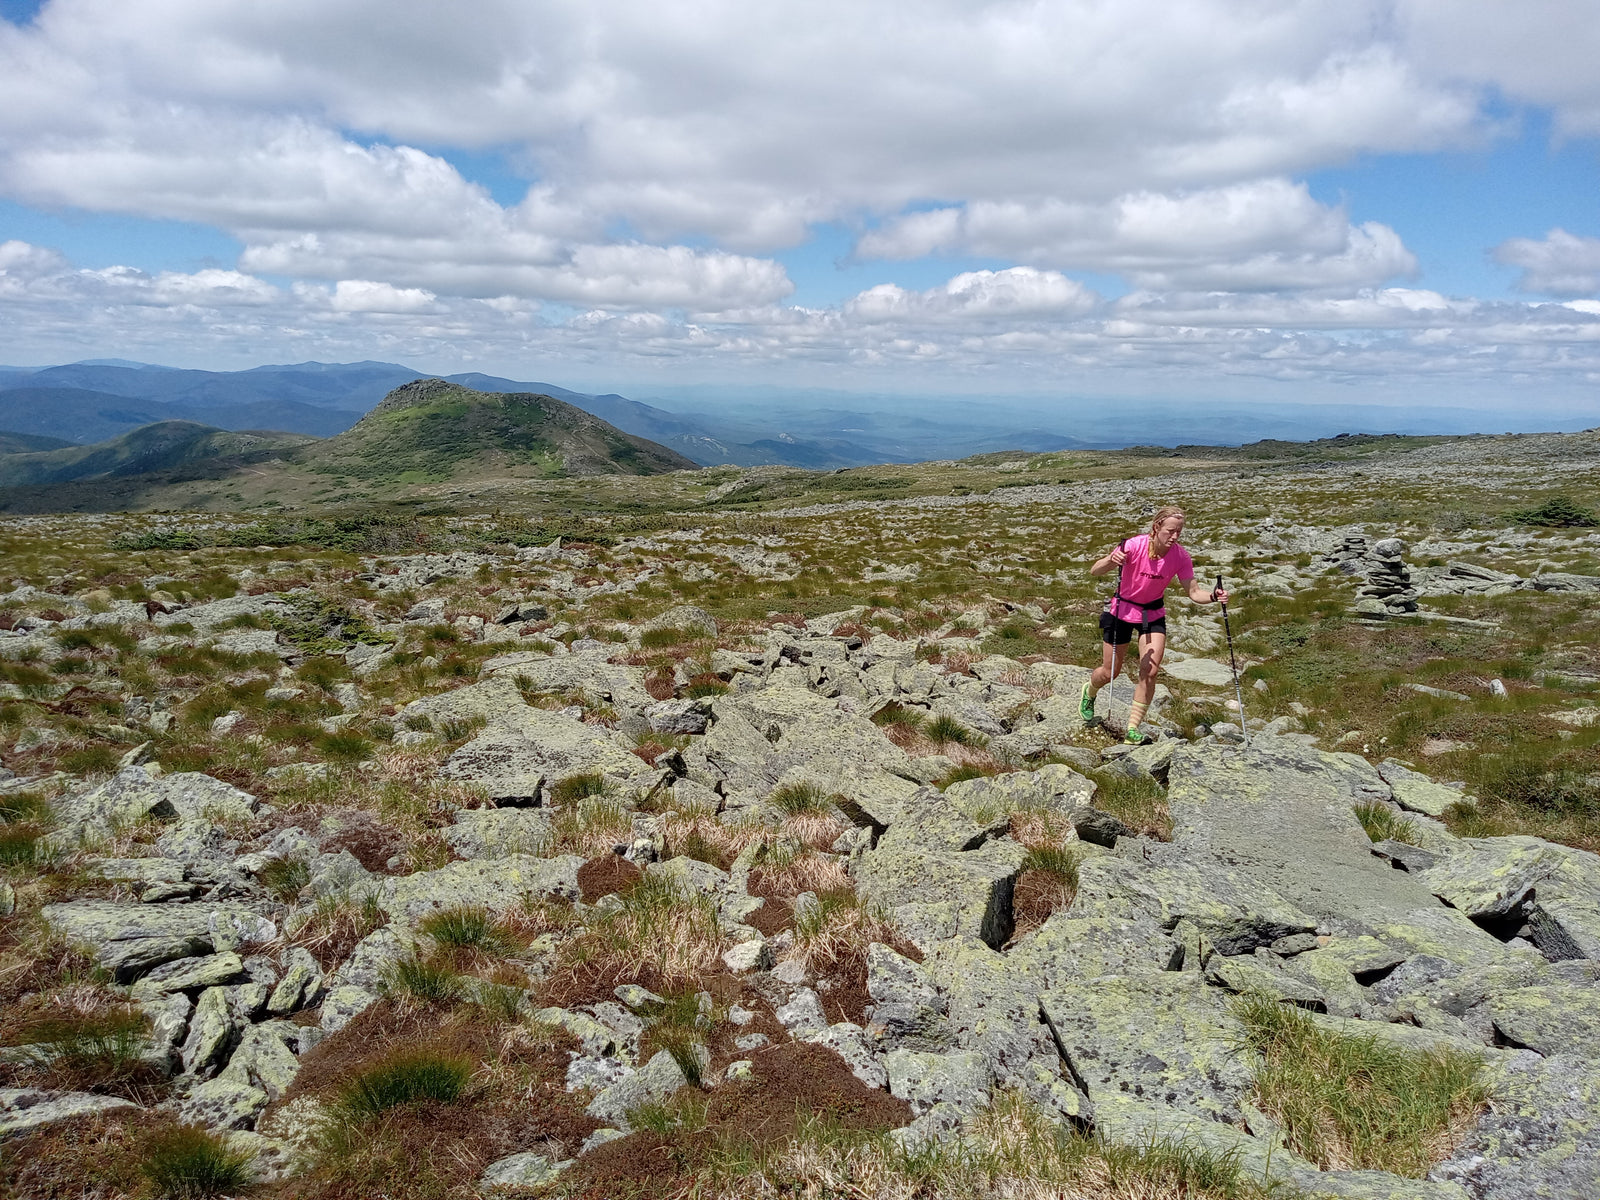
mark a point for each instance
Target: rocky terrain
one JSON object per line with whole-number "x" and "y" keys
{"x": 766, "y": 851}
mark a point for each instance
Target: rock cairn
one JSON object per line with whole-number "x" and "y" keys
{"x": 1388, "y": 590}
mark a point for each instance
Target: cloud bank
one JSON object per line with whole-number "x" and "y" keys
{"x": 669, "y": 154}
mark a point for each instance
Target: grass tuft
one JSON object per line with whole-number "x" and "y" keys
{"x": 404, "y": 1078}
{"x": 467, "y": 928}
{"x": 800, "y": 799}
{"x": 284, "y": 877}
{"x": 1358, "y": 1103}
{"x": 578, "y": 787}
{"x": 424, "y": 979}
{"x": 1382, "y": 823}
{"x": 189, "y": 1163}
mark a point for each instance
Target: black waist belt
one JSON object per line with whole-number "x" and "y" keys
{"x": 1161, "y": 603}
{"x": 1145, "y": 610}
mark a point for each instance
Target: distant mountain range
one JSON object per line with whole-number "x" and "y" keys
{"x": 425, "y": 432}
{"x": 90, "y": 401}
{"x": 166, "y": 447}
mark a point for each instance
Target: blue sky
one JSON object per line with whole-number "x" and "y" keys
{"x": 1390, "y": 202}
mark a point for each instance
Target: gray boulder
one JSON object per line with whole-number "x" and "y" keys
{"x": 653, "y": 1082}
{"x": 498, "y": 832}
{"x": 530, "y": 749}
{"x": 496, "y": 884}
{"x": 932, "y": 894}
{"x": 26, "y": 1109}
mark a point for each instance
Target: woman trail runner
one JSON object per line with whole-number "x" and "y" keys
{"x": 1148, "y": 564}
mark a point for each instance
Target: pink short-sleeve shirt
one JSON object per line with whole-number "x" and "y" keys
{"x": 1144, "y": 579}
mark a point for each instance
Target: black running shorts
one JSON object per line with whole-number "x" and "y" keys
{"x": 1116, "y": 632}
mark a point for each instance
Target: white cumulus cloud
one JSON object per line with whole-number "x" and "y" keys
{"x": 1562, "y": 264}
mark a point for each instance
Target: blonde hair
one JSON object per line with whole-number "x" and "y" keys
{"x": 1164, "y": 513}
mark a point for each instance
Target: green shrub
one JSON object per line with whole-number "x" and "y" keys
{"x": 1557, "y": 512}
{"x": 404, "y": 1079}
{"x": 188, "y": 1163}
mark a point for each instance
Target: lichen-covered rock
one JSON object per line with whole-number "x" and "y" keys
{"x": 848, "y": 1041}
{"x": 23, "y": 1109}
{"x": 129, "y": 940}
{"x": 1167, "y": 1038}
{"x": 1236, "y": 911}
{"x": 133, "y": 794}
{"x": 1541, "y": 1136}
{"x": 212, "y": 1029}
{"x": 496, "y": 884}
{"x": 344, "y": 1004}
{"x": 960, "y": 1079}
{"x": 263, "y": 1059}
{"x": 1552, "y": 1018}
{"x": 189, "y": 974}
{"x": 1247, "y": 973}
{"x": 1416, "y": 792}
{"x": 523, "y": 1170}
{"x": 494, "y": 697}
{"x": 221, "y": 1104}
{"x": 527, "y": 750}
{"x": 935, "y": 894}
{"x": 1556, "y": 889}
{"x": 498, "y": 832}
{"x": 301, "y": 983}
{"x": 653, "y": 1082}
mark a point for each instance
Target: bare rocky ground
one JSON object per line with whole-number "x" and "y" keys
{"x": 715, "y": 807}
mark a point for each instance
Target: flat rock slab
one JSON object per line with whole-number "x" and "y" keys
{"x": 130, "y": 939}
{"x": 1282, "y": 814}
{"x": 527, "y": 749}
{"x": 1417, "y": 793}
{"x": 22, "y": 1109}
{"x": 1205, "y": 671}
{"x": 1541, "y": 1137}
{"x": 486, "y": 701}
{"x": 1552, "y": 1018}
{"x": 495, "y": 884}
{"x": 498, "y": 832}
{"x": 1235, "y": 909}
{"x": 1167, "y": 1039}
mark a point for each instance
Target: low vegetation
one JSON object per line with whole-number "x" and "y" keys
{"x": 1359, "y": 1102}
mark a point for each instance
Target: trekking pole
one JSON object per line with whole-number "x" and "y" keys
{"x": 1237, "y": 694}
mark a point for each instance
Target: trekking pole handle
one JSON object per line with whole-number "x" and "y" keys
{"x": 1217, "y": 589}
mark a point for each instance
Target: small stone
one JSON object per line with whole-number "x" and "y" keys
{"x": 635, "y": 996}
{"x": 740, "y": 1070}
{"x": 524, "y": 1170}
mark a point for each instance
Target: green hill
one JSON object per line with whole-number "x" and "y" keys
{"x": 163, "y": 447}
{"x": 28, "y": 443}
{"x": 429, "y": 430}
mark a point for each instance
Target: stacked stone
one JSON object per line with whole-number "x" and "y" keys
{"x": 1388, "y": 581}
{"x": 1351, "y": 555}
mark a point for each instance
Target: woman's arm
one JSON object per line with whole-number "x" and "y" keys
{"x": 1115, "y": 559}
{"x": 1201, "y": 594}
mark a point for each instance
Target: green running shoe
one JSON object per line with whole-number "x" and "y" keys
{"x": 1135, "y": 738}
{"x": 1086, "y": 704}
